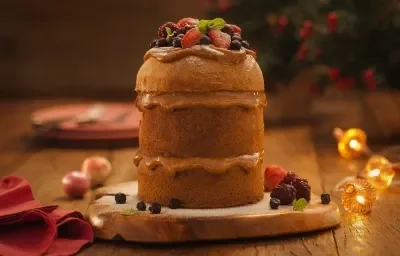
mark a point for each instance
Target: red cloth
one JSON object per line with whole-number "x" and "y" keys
{"x": 28, "y": 228}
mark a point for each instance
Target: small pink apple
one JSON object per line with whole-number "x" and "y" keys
{"x": 273, "y": 176}
{"x": 97, "y": 168}
{"x": 75, "y": 184}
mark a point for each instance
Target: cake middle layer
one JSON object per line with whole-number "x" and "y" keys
{"x": 201, "y": 182}
{"x": 201, "y": 127}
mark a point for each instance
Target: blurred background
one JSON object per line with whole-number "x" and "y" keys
{"x": 319, "y": 57}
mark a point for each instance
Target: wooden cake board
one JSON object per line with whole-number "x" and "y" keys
{"x": 113, "y": 221}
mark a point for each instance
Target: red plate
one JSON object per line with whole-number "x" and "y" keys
{"x": 119, "y": 121}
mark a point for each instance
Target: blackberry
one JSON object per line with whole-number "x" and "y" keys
{"x": 141, "y": 206}
{"x": 235, "y": 45}
{"x": 174, "y": 203}
{"x": 162, "y": 33}
{"x": 274, "y": 203}
{"x": 325, "y": 198}
{"x": 286, "y": 193}
{"x": 162, "y": 42}
{"x": 227, "y": 29}
{"x": 205, "y": 40}
{"x": 291, "y": 178}
{"x": 153, "y": 43}
{"x": 303, "y": 189}
{"x": 120, "y": 198}
{"x": 177, "y": 42}
{"x": 245, "y": 44}
{"x": 155, "y": 208}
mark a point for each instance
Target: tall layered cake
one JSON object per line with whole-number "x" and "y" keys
{"x": 202, "y": 96}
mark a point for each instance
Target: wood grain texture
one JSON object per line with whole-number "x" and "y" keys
{"x": 294, "y": 147}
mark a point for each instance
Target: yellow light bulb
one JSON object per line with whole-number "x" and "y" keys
{"x": 351, "y": 143}
{"x": 379, "y": 172}
{"x": 358, "y": 196}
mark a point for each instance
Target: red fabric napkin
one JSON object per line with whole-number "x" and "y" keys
{"x": 28, "y": 228}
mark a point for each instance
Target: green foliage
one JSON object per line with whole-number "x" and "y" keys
{"x": 350, "y": 35}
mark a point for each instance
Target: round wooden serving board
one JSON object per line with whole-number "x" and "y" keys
{"x": 181, "y": 225}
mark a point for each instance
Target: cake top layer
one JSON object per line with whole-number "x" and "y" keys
{"x": 199, "y": 56}
{"x": 189, "y": 32}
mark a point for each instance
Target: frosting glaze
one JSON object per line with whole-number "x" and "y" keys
{"x": 172, "y": 165}
{"x": 170, "y": 54}
{"x": 212, "y": 99}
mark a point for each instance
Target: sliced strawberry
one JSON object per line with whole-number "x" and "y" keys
{"x": 192, "y": 37}
{"x": 187, "y": 21}
{"x": 236, "y": 29}
{"x": 220, "y": 39}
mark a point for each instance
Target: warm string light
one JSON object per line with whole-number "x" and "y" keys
{"x": 358, "y": 196}
{"x": 352, "y": 143}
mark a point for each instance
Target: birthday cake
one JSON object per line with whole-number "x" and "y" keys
{"x": 201, "y": 94}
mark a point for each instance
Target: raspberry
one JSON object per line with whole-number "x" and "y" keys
{"x": 187, "y": 21}
{"x": 286, "y": 193}
{"x": 273, "y": 176}
{"x": 236, "y": 29}
{"x": 162, "y": 33}
{"x": 303, "y": 189}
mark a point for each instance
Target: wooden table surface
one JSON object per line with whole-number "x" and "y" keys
{"x": 306, "y": 149}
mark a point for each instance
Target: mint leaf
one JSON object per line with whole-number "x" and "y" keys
{"x": 169, "y": 30}
{"x": 128, "y": 212}
{"x": 299, "y": 205}
{"x": 217, "y": 23}
{"x": 203, "y": 26}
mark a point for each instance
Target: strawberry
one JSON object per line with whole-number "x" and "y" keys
{"x": 236, "y": 29}
{"x": 192, "y": 37}
{"x": 220, "y": 39}
{"x": 273, "y": 176}
{"x": 187, "y": 21}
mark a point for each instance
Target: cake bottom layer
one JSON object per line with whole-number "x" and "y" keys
{"x": 198, "y": 188}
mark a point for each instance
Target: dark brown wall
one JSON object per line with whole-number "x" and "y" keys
{"x": 67, "y": 48}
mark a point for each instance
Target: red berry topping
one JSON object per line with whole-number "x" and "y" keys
{"x": 368, "y": 74}
{"x": 191, "y": 38}
{"x": 162, "y": 32}
{"x": 273, "y": 176}
{"x": 283, "y": 21}
{"x": 334, "y": 73}
{"x": 219, "y": 39}
{"x": 236, "y": 29}
{"x": 187, "y": 21}
{"x": 307, "y": 24}
{"x": 332, "y": 18}
{"x": 285, "y": 193}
